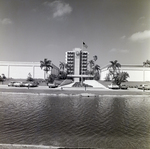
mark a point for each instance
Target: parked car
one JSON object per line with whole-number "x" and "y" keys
{"x": 18, "y": 84}
{"x": 30, "y": 84}
{"x": 113, "y": 86}
{"x": 144, "y": 87}
{"x": 123, "y": 86}
{"x": 50, "y": 85}
{"x": 11, "y": 83}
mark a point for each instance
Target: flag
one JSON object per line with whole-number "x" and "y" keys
{"x": 84, "y": 45}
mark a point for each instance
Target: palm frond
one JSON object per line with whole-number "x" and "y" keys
{"x": 46, "y": 64}
{"x": 95, "y": 57}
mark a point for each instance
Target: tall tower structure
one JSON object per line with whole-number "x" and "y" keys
{"x": 77, "y": 61}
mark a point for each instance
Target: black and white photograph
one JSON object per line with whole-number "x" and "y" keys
{"x": 75, "y": 74}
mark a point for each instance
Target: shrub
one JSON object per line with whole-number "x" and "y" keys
{"x": 121, "y": 77}
{"x": 1, "y": 79}
{"x": 51, "y": 78}
{"x": 3, "y": 76}
{"x": 97, "y": 76}
{"x": 30, "y": 79}
{"x": 62, "y": 75}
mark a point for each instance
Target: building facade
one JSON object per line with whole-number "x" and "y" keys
{"x": 77, "y": 61}
{"x": 20, "y": 70}
{"x": 136, "y": 72}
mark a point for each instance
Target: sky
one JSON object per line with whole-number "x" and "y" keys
{"x": 31, "y": 30}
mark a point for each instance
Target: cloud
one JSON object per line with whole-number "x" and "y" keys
{"x": 6, "y": 21}
{"x": 141, "y": 18}
{"x": 34, "y": 10}
{"x": 140, "y": 36}
{"x": 113, "y": 50}
{"x": 123, "y": 37}
{"x": 124, "y": 51}
{"x": 59, "y": 8}
{"x": 119, "y": 51}
{"x": 141, "y": 21}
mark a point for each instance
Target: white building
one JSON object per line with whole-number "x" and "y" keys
{"x": 77, "y": 61}
{"x": 20, "y": 70}
{"x": 136, "y": 72}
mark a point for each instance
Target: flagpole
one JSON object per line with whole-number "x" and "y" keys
{"x": 80, "y": 63}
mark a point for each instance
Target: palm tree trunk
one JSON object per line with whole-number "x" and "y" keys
{"x": 81, "y": 81}
{"x": 45, "y": 75}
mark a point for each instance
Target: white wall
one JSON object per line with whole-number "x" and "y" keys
{"x": 147, "y": 75}
{"x": 136, "y": 73}
{"x": 20, "y": 72}
{"x": 4, "y": 70}
{"x": 38, "y": 73}
{"x": 103, "y": 74}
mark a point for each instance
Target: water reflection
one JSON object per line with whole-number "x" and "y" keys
{"x": 106, "y": 122}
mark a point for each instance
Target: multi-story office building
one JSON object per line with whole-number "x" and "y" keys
{"x": 77, "y": 61}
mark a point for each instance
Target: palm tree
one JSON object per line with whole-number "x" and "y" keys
{"x": 91, "y": 65}
{"x": 93, "y": 68}
{"x": 121, "y": 77}
{"x": 114, "y": 67}
{"x": 62, "y": 66}
{"x": 97, "y": 68}
{"x": 64, "y": 70}
{"x": 46, "y": 65}
{"x": 68, "y": 68}
{"x": 97, "y": 74}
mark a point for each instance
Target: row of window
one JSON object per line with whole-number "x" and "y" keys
{"x": 71, "y": 62}
{"x": 71, "y": 56}
{"x": 84, "y": 59}
{"x": 83, "y": 53}
{"x": 82, "y": 65}
{"x": 70, "y": 52}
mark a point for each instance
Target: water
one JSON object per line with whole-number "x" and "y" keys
{"x": 100, "y": 122}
